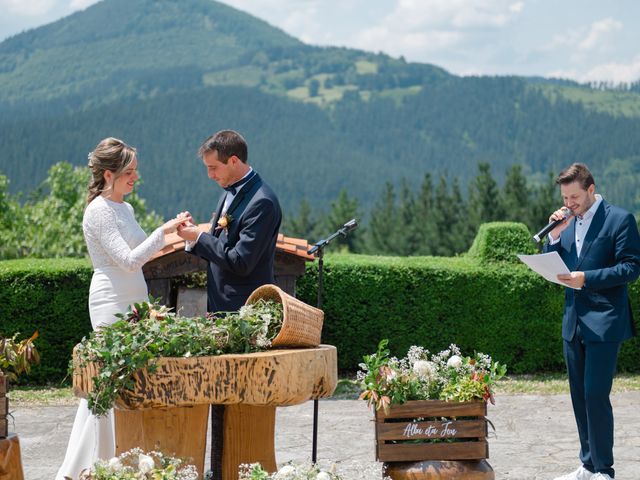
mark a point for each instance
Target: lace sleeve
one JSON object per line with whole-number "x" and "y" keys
{"x": 104, "y": 223}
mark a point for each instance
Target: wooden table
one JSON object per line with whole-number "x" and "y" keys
{"x": 10, "y": 461}
{"x": 168, "y": 410}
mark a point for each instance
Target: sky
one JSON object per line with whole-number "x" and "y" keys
{"x": 583, "y": 40}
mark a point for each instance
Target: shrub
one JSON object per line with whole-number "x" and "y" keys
{"x": 50, "y": 296}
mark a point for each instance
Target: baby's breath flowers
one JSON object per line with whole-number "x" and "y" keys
{"x": 138, "y": 465}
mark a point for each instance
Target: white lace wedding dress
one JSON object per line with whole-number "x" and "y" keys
{"x": 118, "y": 248}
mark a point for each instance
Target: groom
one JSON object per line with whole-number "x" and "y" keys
{"x": 240, "y": 247}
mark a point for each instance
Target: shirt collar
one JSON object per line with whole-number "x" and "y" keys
{"x": 592, "y": 211}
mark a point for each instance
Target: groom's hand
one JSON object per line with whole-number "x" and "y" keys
{"x": 189, "y": 232}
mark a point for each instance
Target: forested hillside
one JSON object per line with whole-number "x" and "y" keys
{"x": 164, "y": 74}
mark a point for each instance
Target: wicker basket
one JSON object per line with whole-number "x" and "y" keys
{"x": 301, "y": 323}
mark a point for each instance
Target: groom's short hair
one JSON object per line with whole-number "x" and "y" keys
{"x": 227, "y": 143}
{"x": 576, "y": 172}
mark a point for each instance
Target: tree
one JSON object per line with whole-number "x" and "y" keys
{"x": 314, "y": 87}
{"x": 484, "y": 197}
{"x": 424, "y": 221}
{"x": 516, "y": 196}
{"x": 342, "y": 210}
{"x": 442, "y": 213}
{"x": 49, "y": 223}
{"x": 304, "y": 225}
{"x": 406, "y": 240}
{"x": 382, "y": 230}
{"x": 545, "y": 199}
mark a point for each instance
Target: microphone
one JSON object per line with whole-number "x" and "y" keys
{"x": 343, "y": 230}
{"x": 350, "y": 225}
{"x": 545, "y": 231}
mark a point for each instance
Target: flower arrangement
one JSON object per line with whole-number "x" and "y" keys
{"x": 292, "y": 471}
{"x": 289, "y": 471}
{"x": 16, "y": 357}
{"x": 138, "y": 465}
{"x": 447, "y": 375}
{"x": 149, "y": 331}
{"x": 224, "y": 221}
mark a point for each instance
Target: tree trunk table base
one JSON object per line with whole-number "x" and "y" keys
{"x": 249, "y": 437}
{"x": 175, "y": 431}
{"x": 167, "y": 411}
{"x": 10, "y": 461}
{"x": 440, "y": 470}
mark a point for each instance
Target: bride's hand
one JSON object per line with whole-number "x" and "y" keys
{"x": 172, "y": 225}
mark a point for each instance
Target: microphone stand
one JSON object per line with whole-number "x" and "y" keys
{"x": 318, "y": 250}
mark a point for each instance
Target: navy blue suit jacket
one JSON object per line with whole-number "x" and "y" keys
{"x": 610, "y": 259}
{"x": 241, "y": 258}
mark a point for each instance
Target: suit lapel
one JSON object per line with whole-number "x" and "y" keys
{"x": 568, "y": 237}
{"x": 216, "y": 215}
{"x": 592, "y": 233}
{"x": 246, "y": 190}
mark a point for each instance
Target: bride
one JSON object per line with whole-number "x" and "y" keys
{"x": 118, "y": 248}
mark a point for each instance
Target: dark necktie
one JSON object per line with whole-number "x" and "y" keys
{"x": 233, "y": 188}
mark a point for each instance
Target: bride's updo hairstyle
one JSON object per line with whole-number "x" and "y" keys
{"x": 110, "y": 154}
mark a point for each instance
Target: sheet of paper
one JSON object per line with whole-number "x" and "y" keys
{"x": 546, "y": 264}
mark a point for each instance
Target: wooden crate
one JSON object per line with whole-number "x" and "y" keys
{"x": 4, "y": 407}
{"x": 432, "y": 430}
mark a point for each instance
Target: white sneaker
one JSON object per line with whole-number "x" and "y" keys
{"x": 580, "y": 474}
{"x": 601, "y": 476}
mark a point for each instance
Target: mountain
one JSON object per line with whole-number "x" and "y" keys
{"x": 164, "y": 74}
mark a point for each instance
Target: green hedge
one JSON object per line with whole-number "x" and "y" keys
{"x": 485, "y": 301}
{"x": 50, "y": 296}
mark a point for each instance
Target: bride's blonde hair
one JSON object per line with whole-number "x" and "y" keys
{"x": 110, "y": 154}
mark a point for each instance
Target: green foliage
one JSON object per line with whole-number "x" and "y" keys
{"x": 501, "y": 242}
{"x": 503, "y": 310}
{"x": 150, "y": 331}
{"x": 16, "y": 357}
{"x": 50, "y": 297}
{"x": 49, "y": 223}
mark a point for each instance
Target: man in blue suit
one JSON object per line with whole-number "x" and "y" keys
{"x": 601, "y": 247}
{"x": 241, "y": 245}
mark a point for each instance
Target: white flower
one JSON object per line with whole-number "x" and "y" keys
{"x": 115, "y": 464}
{"x": 145, "y": 463}
{"x": 424, "y": 369}
{"x": 288, "y": 471}
{"x": 323, "y": 476}
{"x": 455, "y": 361}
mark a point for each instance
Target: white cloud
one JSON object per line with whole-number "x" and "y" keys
{"x": 586, "y": 38}
{"x": 30, "y": 8}
{"x": 599, "y": 30}
{"x": 81, "y": 4}
{"x": 614, "y": 72}
{"x": 414, "y": 27}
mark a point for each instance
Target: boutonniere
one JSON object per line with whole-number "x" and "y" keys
{"x": 224, "y": 221}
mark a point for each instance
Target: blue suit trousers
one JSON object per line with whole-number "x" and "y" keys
{"x": 591, "y": 367}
